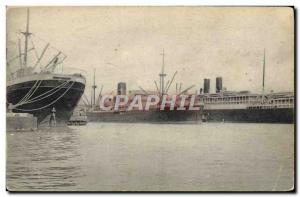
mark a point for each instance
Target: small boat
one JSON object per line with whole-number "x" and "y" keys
{"x": 78, "y": 117}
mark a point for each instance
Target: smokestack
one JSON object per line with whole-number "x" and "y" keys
{"x": 218, "y": 84}
{"x": 206, "y": 86}
{"x": 121, "y": 88}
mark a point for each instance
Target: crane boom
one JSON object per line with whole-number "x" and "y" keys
{"x": 186, "y": 89}
{"x": 171, "y": 82}
{"x": 41, "y": 56}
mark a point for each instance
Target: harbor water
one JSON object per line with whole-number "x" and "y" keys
{"x": 152, "y": 157}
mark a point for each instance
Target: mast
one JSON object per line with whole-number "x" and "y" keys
{"x": 162, "y": 75}
{"x": 92, "y": 100}
{"x": 20, "y": 53}
{"x": 264, "y": 68}
{"x": 263, "y": 81}
{"x": 26, "y": 34}
{"x": 94, "y": 90}
{"x": 99, "y": 96}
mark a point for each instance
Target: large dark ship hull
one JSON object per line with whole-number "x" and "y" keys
{"x": 66, "y": 98}
{"x": 273, "y": 115}
{"x": 152, "y": 116}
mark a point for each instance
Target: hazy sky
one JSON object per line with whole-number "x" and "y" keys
{"x": 125, "y": 43}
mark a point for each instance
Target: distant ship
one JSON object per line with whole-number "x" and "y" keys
{"x": 221, "y": 106}
{"x": 154, "y": 114}
{"x": 244, "y": 106}
{"x": 45, "y": 94}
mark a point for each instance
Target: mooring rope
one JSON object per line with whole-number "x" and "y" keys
{"x": 28, "y": 110}
{"x": 28, "y": 100}
{"x": 31, "y": 94}
{"x": 53, "y": 89}
{"x": 28, "y": 93}
{"x": 38, "y": 97}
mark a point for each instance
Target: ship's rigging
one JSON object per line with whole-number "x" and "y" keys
{"x": 24, "y": 66}
{"x": 164, "y": 87}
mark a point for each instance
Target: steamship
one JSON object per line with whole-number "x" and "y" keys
{"x": 221, "y": 106}
{"x": 45, "y": 94}
{"x": 154, "y": 114}
{"x": 244, "y": 106}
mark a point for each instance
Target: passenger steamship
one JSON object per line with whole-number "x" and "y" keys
{"x": 244, "y": 106}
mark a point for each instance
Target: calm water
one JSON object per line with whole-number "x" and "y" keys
{"x": 108, "y": 156}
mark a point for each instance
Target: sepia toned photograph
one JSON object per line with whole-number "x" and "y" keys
{"x": 150, "y": 99}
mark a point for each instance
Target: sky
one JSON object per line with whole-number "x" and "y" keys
{"x": 125, "y": 44}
